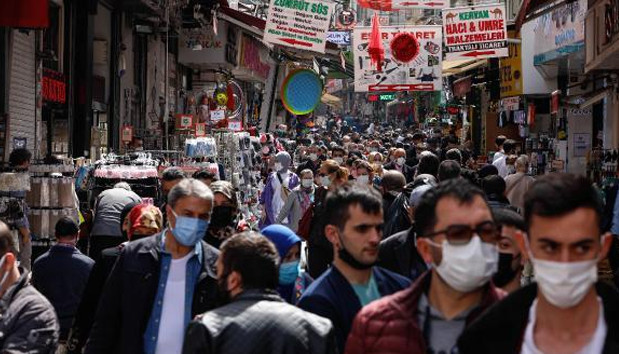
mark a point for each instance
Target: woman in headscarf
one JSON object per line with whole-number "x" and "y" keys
{"x": 278, "y": 186}
{"x": 298, "y": 202}
{"x": 292, "y": 279}
{"x": 225, "y": 216}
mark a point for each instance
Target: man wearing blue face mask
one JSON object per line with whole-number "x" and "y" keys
{"x": 292, "y": 279}
{"x": 160, "y": 283}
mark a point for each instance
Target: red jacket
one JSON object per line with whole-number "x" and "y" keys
{"x": 389, "y": 325}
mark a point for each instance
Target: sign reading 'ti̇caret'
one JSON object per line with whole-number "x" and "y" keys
{"x": 301, "y": 24}
{"x": 475, "y": 32}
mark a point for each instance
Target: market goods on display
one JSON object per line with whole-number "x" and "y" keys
{"x": 301, "y": 24}
{"x": 301, "y": 91}
{"x": 475, "y": 32}
{"x": 412, "y": 60}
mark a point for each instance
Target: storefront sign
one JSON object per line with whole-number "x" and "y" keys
{"x": 582, "y": 143}
{"x": 372, "y": 98}
{"x": 53, "y": 86}
{"x": 184, "y": 121}
{"x": 200, "y": 129}
{"x": 345, "y": 18}
{"x": 475, "y": 32}
{"x": 235, "y": 125}
{"x": 334, "y": 85}
{"x": 510, "y": 103}
{"x": 391, "y": 5}
{"x": 560, "y": 32}
{"x": 126, "y": 134}
{"x": 386, "y": 97}
{"x": 203, "y": 46}
{"x": 511, "y": 69}
{"x": 218, "y": 114}
{"x": 252, "y": 53}
{"x": 299, "y": 24}
{"x": 422, "y": 73}
{"x": 20, "y": 143}
{"x": 339, "y": 37}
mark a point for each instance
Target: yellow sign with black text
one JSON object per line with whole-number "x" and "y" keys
{"x": 511, "y": 68}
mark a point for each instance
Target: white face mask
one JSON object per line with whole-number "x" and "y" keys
{"x": 307, "y": 182}
{"x": 470, "y": 266}
{"x": 363, "y": 179}
{"x": 325, "y": 181}
{"x": 313, "y": 157}
{"x": 400, "y": 161}
{"x": 339, "y": 160}
{"x": 565, "y": 284}
{"x": 278, "y": 166}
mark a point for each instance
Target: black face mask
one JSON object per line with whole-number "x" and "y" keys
{"x": 350, "y": 259}
{"x": 506, "y": 272}
{"x": 222, "y": 216}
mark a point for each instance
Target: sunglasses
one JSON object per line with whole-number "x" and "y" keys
{"x": 487, "y": 231}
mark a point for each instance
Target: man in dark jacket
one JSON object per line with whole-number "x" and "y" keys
{"x": 256, "y": 320}
{"x": 159, "y": 283}
{"x": 399, "y": 254}
{"x": 28, "y": 323}
{"x": 457, "y": 235}
{"x": 312, "y": 162}
{"x": 567, "y": 310}
{"x": 61, "y": 274}
{"x": 399, "y": 164}
{"x": 353, "y": 223}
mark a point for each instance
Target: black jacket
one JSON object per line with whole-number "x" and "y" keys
{"x": 407, "y": 171}
{"x": 501, "y": 328}
{"x": 398, "y": 254}
{"x": 128, "y": 296}
{"x": 258, "y": 321}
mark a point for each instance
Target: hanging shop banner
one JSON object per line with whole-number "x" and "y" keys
{"x": 475, "y": 32}
{"x": 394, "y": 5}
{"x": 511, "y": 69}
{"x": 339, "y": 37}
{"x": 53, "y": 86}
{"x": 252, "y": 52}
{"x": 299, "y": 24}
{"x": 413, "y": 59}
{"x": 560, "y": 32}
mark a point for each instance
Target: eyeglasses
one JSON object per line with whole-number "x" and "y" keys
{"x": 487, "y": 231}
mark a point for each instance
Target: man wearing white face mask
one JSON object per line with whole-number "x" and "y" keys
{"x": 567, "y": 311}
{"x": 399, "y": 164}
{"x": 456, "y": 234}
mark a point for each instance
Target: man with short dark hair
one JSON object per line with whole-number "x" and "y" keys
{"x": 28, "y": 323}
{"x": 454, "y": 154}
{"x": 61, "y": 274}
{"x": 353, "y": 225}
{"x": 457, "y": 235}
{"x": 170, "y": 177}
{"x": 313, "y": 160}
{"x": 566, "y": 310}
{"x": 448, "y": 169}
{"x": 159, "y": 283}
{"x": 255, "y": 319}
{"x": 205, "y": 176}
{"x": 509, "y": 147}
{"x": 428, "y": 164}
{"x": 498, "y": 143}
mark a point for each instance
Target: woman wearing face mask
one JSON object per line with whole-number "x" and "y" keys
{"x": 277, "y": 188}
{"x": 292, "y": 279}
{"x": 365, "y": 174}
{"x": 299, "y": 201}
{"x": 224, "y": 218}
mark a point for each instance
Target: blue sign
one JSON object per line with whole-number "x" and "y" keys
{"x": 339, "y": 37}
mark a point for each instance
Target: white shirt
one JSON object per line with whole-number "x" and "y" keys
{"x": 172, "y": 322}
{"x": 501, "y": 165}
{"x": 595, "y": 346}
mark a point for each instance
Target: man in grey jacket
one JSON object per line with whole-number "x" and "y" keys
{"x": 28, "y": 323}
{"x": 256, "y": 320}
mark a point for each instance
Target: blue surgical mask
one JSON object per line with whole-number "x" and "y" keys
{"x": 188, "y": 231}
{"x": 288, "y": 272}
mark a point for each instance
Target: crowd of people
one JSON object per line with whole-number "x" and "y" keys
{"x": 387, "y": 241}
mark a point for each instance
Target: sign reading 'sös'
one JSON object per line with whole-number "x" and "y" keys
{"x": 301, "y": 24}
{"x": 475, "y": 32}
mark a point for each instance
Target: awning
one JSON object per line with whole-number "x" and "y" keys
{"x": 460, "y": 66}
{"x": 243, "y": 20}
{"x": 24, "y": 13}
{"x": 331, "y": 100}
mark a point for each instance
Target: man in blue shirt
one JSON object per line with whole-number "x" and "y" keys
{"x": 354, "y": 221}
{"x": 159, "y": 283}
{"x": 61, "y": 274}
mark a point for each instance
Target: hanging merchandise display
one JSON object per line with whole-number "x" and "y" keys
{"x": 422, "y": 71}
{"x": 475, "y": 32}
{"x": 299, "y": 24}
{"x": 375, "y": 46}
{"x": 301, "y": 91}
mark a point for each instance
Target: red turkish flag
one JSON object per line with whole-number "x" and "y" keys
{"x": 375, "y": 46}
{"x": 24, "y": 13}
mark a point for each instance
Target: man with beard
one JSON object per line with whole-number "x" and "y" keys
{"x": 511, "y": 263}
{"x": 353, "y": 225}
{"x": 255, "y": 318}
